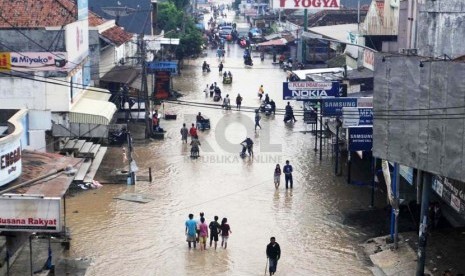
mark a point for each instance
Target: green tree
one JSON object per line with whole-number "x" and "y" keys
{"x": 172, "y": 18}
{"x": 190, "y": 43}
{"x": 169, "y": 16}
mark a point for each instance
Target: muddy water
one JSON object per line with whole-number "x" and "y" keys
{"x": 127, "y": 238}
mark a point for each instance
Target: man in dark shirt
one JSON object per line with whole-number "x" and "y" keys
{"x": 287, "y": 169}
{"x": 273, "y": 253}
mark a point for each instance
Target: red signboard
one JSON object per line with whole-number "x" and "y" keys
{"x": 162, "y": 85}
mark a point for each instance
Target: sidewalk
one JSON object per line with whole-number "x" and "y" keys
{"x": 444, "y": 252}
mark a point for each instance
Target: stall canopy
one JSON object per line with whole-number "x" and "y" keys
{"x": 274, "y": 42}
{"x": 93, "y": 108}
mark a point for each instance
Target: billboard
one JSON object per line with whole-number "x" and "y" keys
{"x": 360, "y": 138}
{"x": 83, "y": 9}
{"x": 30, "y": 214}
{"x": 10, "y": 161}
{"x": 308, "y": 90}
{"x": 34, "y": 61}
{"x": 369, "y": 59}
{"x": 357, "y": 116}
{"x": 171, "y": 66}
{"x": 77, "y": 41}
{"x": 333, "y": 106}
{"x": 451, "y": 191}
{"x": 307, "y": 4}
{"x": 162, "y": 85}
{"x": 310, "y": 115}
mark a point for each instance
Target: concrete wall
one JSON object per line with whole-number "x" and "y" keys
{"x": 414, "y": 107}
{"x": 53, "y": 40}
{"x": 107, "y": 60}
{"x": 94, "y": 55}
{"x": 18, "y": 93}
{"x": 441, "y": 28}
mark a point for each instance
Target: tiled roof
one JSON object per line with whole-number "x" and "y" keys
{"x": 37, "y": 13}
{"x": 117, "y": 35}
{"x": 35, "y": 164}
{"x": 95, "y": 19}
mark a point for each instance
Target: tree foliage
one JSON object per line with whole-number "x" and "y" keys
{"x": 169, "y": 16}
{"x": 172, "y": 19}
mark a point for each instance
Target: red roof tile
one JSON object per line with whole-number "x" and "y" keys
{"x": 37, "y": 13}
{"x": 95, "y": 19}
{"x": 117, "y": 35}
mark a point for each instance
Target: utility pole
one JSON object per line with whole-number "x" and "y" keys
{"x": 145, "y": 93}
{"x": 304, "y": 44}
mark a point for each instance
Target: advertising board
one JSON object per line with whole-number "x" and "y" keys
{"x": 307, "y": 90}
{"x": 10, "y": 161}
{"x": 332, "y": 107}
{"x": 451, "y": 191}
{"x": 307, "y": 4}
{"x": 30, "y": 214}
{"x": 162, "y": 85}
{"x": 34, "y": 61}
{"x": 170, "y": 66}
{"x": 357, "y": 116}
{"x": 360, "y": 138}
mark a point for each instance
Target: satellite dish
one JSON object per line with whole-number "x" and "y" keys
{"x": 118, "y": 11}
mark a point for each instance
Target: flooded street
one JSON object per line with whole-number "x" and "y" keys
{"x": 128, "y": 238}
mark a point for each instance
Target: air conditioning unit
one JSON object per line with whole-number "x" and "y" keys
{"x": 409, "y": 52}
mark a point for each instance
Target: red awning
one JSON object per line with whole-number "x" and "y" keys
{"x": 274, "y": 42}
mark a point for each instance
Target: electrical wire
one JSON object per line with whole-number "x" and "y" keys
{"x": 377, "y": 115}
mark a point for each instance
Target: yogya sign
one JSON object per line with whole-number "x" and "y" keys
{"x": 307, "y": 4}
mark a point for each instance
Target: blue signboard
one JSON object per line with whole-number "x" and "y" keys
{"x": 169, "y": 66}
{"x": 309, "y": 90}
{"x": 360, "y": 138}
{"x": 333, "y": 106}
{"x": 357, "y": 116}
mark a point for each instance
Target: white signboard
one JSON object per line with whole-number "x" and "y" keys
{"x": 368, "y": 59}
{"x": 30, "y": 214}
{"x": 307, "y": 4}
{"x": 10, "y": 161}
{"x": 36, "y": 61}
{"x": 306, "y": 85}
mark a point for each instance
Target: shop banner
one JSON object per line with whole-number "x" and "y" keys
{"x": 308, "y": 90}
{"x": 360, "y": 138}
{"x": 30, "y": 214}
{"x": 451, "y": 191}
{"x": 357, "y": 116}
{"x": 307, "y": 4}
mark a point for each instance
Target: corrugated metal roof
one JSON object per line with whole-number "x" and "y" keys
{"x": 92, "y": 109}
{"x": 337, "y": 32}
{"x": 35, "y": 164}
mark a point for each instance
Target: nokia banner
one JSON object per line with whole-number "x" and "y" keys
{"x": 310, "y": 90}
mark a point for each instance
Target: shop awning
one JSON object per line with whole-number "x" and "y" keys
{"x": 274, "y": 42}
{"x": 93, "y": 108}
{"x": 121, "y": 74}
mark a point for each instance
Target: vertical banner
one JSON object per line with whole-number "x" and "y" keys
{"x": 162, "y": 85}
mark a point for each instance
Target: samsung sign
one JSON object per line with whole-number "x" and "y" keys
{"x": 360, "y": 138}
{"x": 308, "y": 90}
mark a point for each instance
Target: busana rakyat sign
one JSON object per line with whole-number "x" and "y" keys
{"x": 307, "y": 4}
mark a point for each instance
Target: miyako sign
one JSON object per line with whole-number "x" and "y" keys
{"x": 34, "y": 61}
{"x": 307, "y": 4}
{"x": 30, "y": 214}
{"x": 10, "y": 161}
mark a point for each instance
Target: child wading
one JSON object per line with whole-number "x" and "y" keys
{"x": 225, "y": 231}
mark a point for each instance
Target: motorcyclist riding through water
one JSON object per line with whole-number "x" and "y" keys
{"x": 205, "y": 67}
{"x": 247, "y": 145}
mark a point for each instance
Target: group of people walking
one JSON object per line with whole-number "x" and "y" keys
{"x": 197, "y": 231}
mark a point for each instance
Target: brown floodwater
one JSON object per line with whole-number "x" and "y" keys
{"x": 128, "y": 238}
